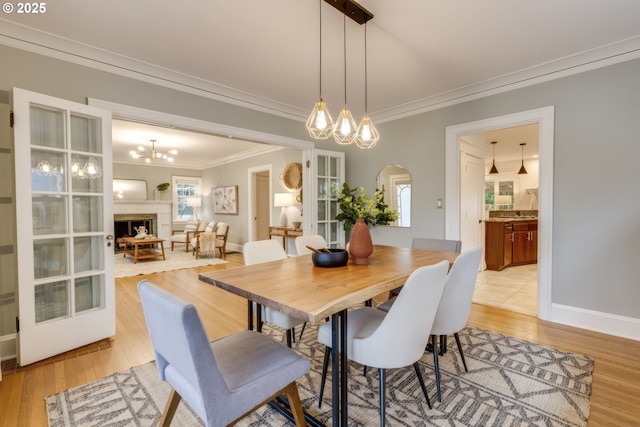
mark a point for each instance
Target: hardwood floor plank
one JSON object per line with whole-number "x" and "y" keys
{"x": 616, "y": 382}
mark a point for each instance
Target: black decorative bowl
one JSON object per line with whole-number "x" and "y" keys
{"x": 336, "y": 258}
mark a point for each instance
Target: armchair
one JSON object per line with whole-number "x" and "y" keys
{"x": 214, "y": 237}
{"x": 184, "y": 237}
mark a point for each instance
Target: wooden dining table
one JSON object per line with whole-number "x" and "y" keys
{"x": 296, "y": 287}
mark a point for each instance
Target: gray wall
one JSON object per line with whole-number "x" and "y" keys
{"x": 596, "y": 234}
{"x": 236, "y": 174}
{"x": 153, "y": 175}
{"x": 596, "y": 239}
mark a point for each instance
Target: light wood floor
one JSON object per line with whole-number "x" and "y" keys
{"x": 616, "y": 382}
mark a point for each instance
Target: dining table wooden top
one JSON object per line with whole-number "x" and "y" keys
{"x": 296, "y": 287}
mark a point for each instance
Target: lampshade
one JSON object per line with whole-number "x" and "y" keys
{"x": 503, "y": 200}
{"x": 320, "y": 123}
{"x": 522, "y": 170}
{"x": 282, "y": 200}
{"x": 494, "y": 169}
{"x": 194, "y": 202}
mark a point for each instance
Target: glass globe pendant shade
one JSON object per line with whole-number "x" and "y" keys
{"x": 344, "y": 131}
{"x": 92, "y": 168}
{"x": 320, "y": 123}
{"x": 367, "y": 135}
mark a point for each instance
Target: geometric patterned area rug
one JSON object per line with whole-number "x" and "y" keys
{"x": 124, "y": 266}
{"x": 510, "y": 382}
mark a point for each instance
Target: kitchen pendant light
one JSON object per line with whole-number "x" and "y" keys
{"x": 344, "y": 130}
{"x": 494, "y": 169}
{"x": 522, "y": 170}
{"x": 367, "y": 135}
{"x": 320, "y": 123}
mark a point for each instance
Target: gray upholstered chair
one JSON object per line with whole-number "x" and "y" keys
{"x": 221, "y": 381}
{"x": 260, "y": 251}
{"x": 395, "y": 339}
{"x": 314, "y": 240}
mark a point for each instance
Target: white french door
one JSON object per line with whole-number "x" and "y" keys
{"x": 329, "y": 171}
{"x": 64, "y": 204}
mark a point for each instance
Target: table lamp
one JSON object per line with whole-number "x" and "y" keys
{"x": 195, "y": 203}
{"x": 283, "y": 200}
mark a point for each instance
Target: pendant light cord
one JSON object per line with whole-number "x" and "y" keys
{"x": 320, "y": 13}
{"x": 344, "y": 40}
{"x": 365, "y": 67}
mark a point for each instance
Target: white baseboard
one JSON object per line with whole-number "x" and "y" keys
{"x": 234, "y": 247}
{"x": 610, "y": 324}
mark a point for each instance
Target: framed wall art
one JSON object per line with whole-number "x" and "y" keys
{"x": 225, "y": 200}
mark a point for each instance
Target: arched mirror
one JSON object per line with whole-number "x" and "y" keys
{"x": 395, "y": 181}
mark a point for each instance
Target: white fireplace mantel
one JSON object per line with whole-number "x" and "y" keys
{"x": 161, "y": 208}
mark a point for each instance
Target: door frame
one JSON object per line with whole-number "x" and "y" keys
{"x": 544, "y": 117}
{"x": 251, "y": 194}
{"x": 158, "y": 118}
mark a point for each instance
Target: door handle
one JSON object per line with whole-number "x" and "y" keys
{"x": 109, "y": 237}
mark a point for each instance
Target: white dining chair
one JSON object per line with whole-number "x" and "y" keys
{"x": 260, "y": 251}
{"x": 445, "y": 245}
{"x": 455, "y": 305}
{"x": 394, "y": 339}
{"x": 314, "y": 240}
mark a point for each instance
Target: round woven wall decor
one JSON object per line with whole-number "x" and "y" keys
{"x": 292, "y": 176}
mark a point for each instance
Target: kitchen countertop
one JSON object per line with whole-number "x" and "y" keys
{"x": 512, "y": 218}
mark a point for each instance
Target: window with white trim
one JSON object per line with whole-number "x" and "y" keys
{"x": 182, "y": 188}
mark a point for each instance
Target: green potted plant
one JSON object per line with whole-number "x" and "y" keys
{"x": 357, "y": 213}
{"x": 354, "y": 204}
{"x": 162, "y": 188}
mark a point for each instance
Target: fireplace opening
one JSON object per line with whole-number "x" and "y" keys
{"x": 124, "y": 225}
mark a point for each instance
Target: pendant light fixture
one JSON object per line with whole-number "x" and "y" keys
{"x": 153, "y": 155}
{"x": 320, "y": 123}
{"x": 367, "y": 135}
{"x": 494, "y": 169}
{"x": 522, "y": 170}
{"x": 344, "y": 130}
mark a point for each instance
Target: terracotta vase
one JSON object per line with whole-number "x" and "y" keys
{"x": 360, "y": 244}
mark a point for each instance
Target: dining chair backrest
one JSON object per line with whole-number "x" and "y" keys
{"x": 183, "y": 354}
{"x": 437, "y": 244}
{"x": 314, "y": 240}
{"x": 401, "y": 337}
{"x": 260, "y": 251}
{"x": 455, "y": 304}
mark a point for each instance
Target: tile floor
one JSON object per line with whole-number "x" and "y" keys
{"x": 514, "y": 288}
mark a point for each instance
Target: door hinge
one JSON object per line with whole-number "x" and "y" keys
{"x": 11, "y": 119}
{"x": 308, "y": 163}
{"x": 17, "y": 324}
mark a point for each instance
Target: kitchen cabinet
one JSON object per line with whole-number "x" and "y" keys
{"x": 525, "y": 243}
{"x": 510, "y": 243}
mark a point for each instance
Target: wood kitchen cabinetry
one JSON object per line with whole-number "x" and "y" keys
{"x": 525, "y": 243}
{"x": 511, "y": 243}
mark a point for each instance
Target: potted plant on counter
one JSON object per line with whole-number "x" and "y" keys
{"x": 357, "y": 213}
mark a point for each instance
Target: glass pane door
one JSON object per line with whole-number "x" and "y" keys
{"x": 65, "y": 273}
{"x": 329, "y": 170}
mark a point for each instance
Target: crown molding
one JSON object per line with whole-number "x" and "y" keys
{"x": 614, "y": 53}
{"x": 40, "y": 42}
{"x": 29, "y": 39}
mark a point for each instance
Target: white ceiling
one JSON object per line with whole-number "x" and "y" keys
{"x": 422, "y": 54}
